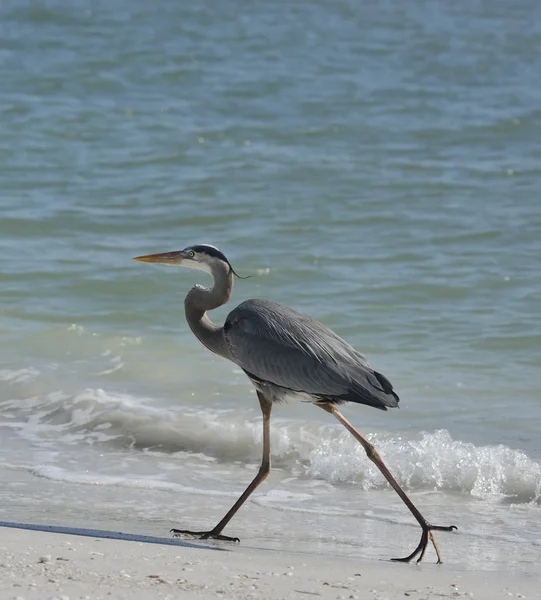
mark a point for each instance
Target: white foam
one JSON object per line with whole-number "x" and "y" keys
{"x": 18, "y": 375}
{"x": 434, "y": 461}
{"x": 430, "y": 461}
{"x": 54, "y": 473}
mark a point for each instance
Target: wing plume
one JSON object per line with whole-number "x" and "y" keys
{"x": 277, "y": 344}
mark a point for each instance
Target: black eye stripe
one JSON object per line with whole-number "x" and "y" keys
{"x": 210, "y": 251}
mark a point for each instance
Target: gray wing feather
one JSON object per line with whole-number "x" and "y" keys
{"x": 277, "y": 344}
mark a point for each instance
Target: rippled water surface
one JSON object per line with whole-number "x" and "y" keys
{"x": 377, "y": 166}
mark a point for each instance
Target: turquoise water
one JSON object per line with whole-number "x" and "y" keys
{"x": 376, "y": 166}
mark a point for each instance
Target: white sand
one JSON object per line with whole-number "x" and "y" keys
{"x": 37, "y": 565}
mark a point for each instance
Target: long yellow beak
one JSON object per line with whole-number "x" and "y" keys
{"x": 164, "y": 258}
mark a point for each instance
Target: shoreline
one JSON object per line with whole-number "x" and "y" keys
{"x": 37, "y": 563}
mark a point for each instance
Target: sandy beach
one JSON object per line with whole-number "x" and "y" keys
{"x": 41, "y": 565}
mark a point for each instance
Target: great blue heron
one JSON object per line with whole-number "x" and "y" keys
{"x": 285, "y": 353}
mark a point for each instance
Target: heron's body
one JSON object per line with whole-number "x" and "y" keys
{"x": 313, "y": 362}
{"x": 285, "y": 353}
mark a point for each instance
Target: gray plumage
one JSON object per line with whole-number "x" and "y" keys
{"x": 283, "y": 351}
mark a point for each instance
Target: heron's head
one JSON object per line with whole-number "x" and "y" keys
{"x": 202, "y": 257}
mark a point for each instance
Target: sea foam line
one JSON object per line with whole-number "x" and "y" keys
{"x": 430, "y": 461}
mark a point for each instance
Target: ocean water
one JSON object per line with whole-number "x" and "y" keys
{"x": 374, "y": 164}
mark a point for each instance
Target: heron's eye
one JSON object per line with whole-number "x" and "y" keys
{"x": 191, "y": 253}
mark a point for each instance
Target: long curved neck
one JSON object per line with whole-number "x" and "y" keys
{"x": 199, "y": 300}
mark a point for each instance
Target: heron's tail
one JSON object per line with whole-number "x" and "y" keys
{"x": 374, "y": 390}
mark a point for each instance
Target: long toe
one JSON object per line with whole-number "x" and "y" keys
{"x": 203, "y": 535}
{"x": 442, "y": 527}
{"x": 426, "y": 536}
{"x": 420, "y": 548}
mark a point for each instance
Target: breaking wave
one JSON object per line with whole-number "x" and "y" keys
{"x": 431, "y": 461}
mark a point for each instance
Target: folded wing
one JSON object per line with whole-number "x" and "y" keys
{"x": 279, "y": 345}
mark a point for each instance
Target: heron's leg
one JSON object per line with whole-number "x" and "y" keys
{"x": 373, "y": 455}
{"x": 261, "y": 476}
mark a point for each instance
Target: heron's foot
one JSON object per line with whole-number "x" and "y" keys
{"x": 426, "y": 536}
{"x": 204, "y": 535}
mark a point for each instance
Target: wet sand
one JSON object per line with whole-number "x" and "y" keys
{"x": 40, "y": 565}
